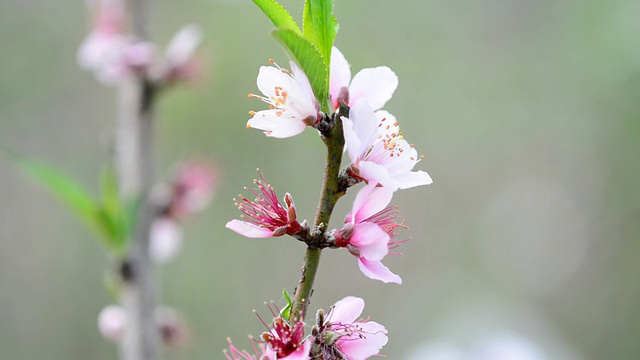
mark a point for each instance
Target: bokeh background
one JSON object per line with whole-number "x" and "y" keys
{"x": 527, "y": 112}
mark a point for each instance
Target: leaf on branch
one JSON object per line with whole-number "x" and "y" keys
{"x": 285, "y": 312}
{"x": 309, "y": 59}
{"x": 278, "y": 15}
{"x": 100, "y": 218}
{"x": 324, "y": 25}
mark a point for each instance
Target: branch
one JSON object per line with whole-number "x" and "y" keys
{"x": 134, "y": 162}
{"x": 331, "y": 192}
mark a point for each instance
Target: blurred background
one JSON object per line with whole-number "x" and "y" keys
{"x": 527, "y": 113}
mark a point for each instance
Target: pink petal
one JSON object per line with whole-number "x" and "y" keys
{"x": 375, "y": 270}
{"x": 248, "y": 229}
{"x": 365, "y": 344}
{"x": 346, "y": 311}
{"x": 274, "y": 125}
{"x": 340, "y": 74}
{"x": 369, "y": 201}
{"x": 376, "y": 85}
{"x": 372, "y": 242}
{"x": 377, "y": 174}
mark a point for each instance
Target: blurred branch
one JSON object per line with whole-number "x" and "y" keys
{"x": 134, "y": 163}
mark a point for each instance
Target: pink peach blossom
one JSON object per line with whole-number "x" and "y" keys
{"x": 265, "y": 216}
{"x": 343, "y": 334}
{"x": 292, "y": 105}
{"x": 379, "y": 153}
{"x": 368, "y": 230}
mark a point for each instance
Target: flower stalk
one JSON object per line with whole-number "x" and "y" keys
{"x": 331, "y": 192}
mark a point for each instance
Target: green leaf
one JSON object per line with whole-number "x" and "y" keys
{"x": 307, "y": 23}
{"x": 278, "y": 15}
{"x": 285, "y": 312}
{"x": 74, "y": 196}
{"x": 309, "y": 59}
{"x": 325, "y": 26}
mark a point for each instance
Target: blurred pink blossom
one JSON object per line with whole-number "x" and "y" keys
{"x": 111, "y": 322}
{"x": 192, "y": 190}
{"x": 166, "y": 239}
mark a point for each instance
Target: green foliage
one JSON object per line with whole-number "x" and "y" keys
{"x": 311, "y": 48}
{"x": 278, "y": 15}
{"x": 309, "y": 59}
{"x": 285, "y": 312}
{"x": 109, "y": 218}
{"x": 320, "y": 25}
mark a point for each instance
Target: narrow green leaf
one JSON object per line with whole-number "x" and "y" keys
{"x": 309, "y": 59}
{"x": 325, "y": 26}
{"x": 72, "y": 195}
{"x": 307, "y": 23}
{"x": 285, "y": 312}
{"x": 278, "y": 15}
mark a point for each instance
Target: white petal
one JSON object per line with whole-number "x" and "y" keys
{"x": 376, "y": 85}
{"x": 340, "y": 74}
{"x": 346, "y": 311}
{"x": 269, "y": 77}
{"x": 414, "y": 178}
{"x": 365, "y": 124}
{"x": 279, "y": 126}
{"x": 183, "y": 44}
{"x": 351, "y": 139}
{"x": 377, "y": 174}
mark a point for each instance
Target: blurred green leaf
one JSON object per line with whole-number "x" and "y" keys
{"x": 309, "y": 59}
{"x": 105, "y": 219}
{"x": 285, "y": 312}
{"x": 278, "y": 15}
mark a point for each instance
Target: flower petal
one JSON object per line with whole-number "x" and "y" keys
{"x": 375, "y": 85}
{"x": 346, "y": 311}
{"x": 248, "y": 229}
{"x": 369, "y": 201}
{"x": 365, "y": 124}
{"x": 414, "y": 178}
{"x": 183, "y": 44}
{"x": 276, "y": 124}
{"x": 302, "y": 353}
{"x": 340, "y": 75}
{"x": 376, "y": 174}
{"x": 375, "y": 270}
{"x": 351, "y": 139}
{"x": 365, "y": 343}
{"x": 371, "y": 241}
